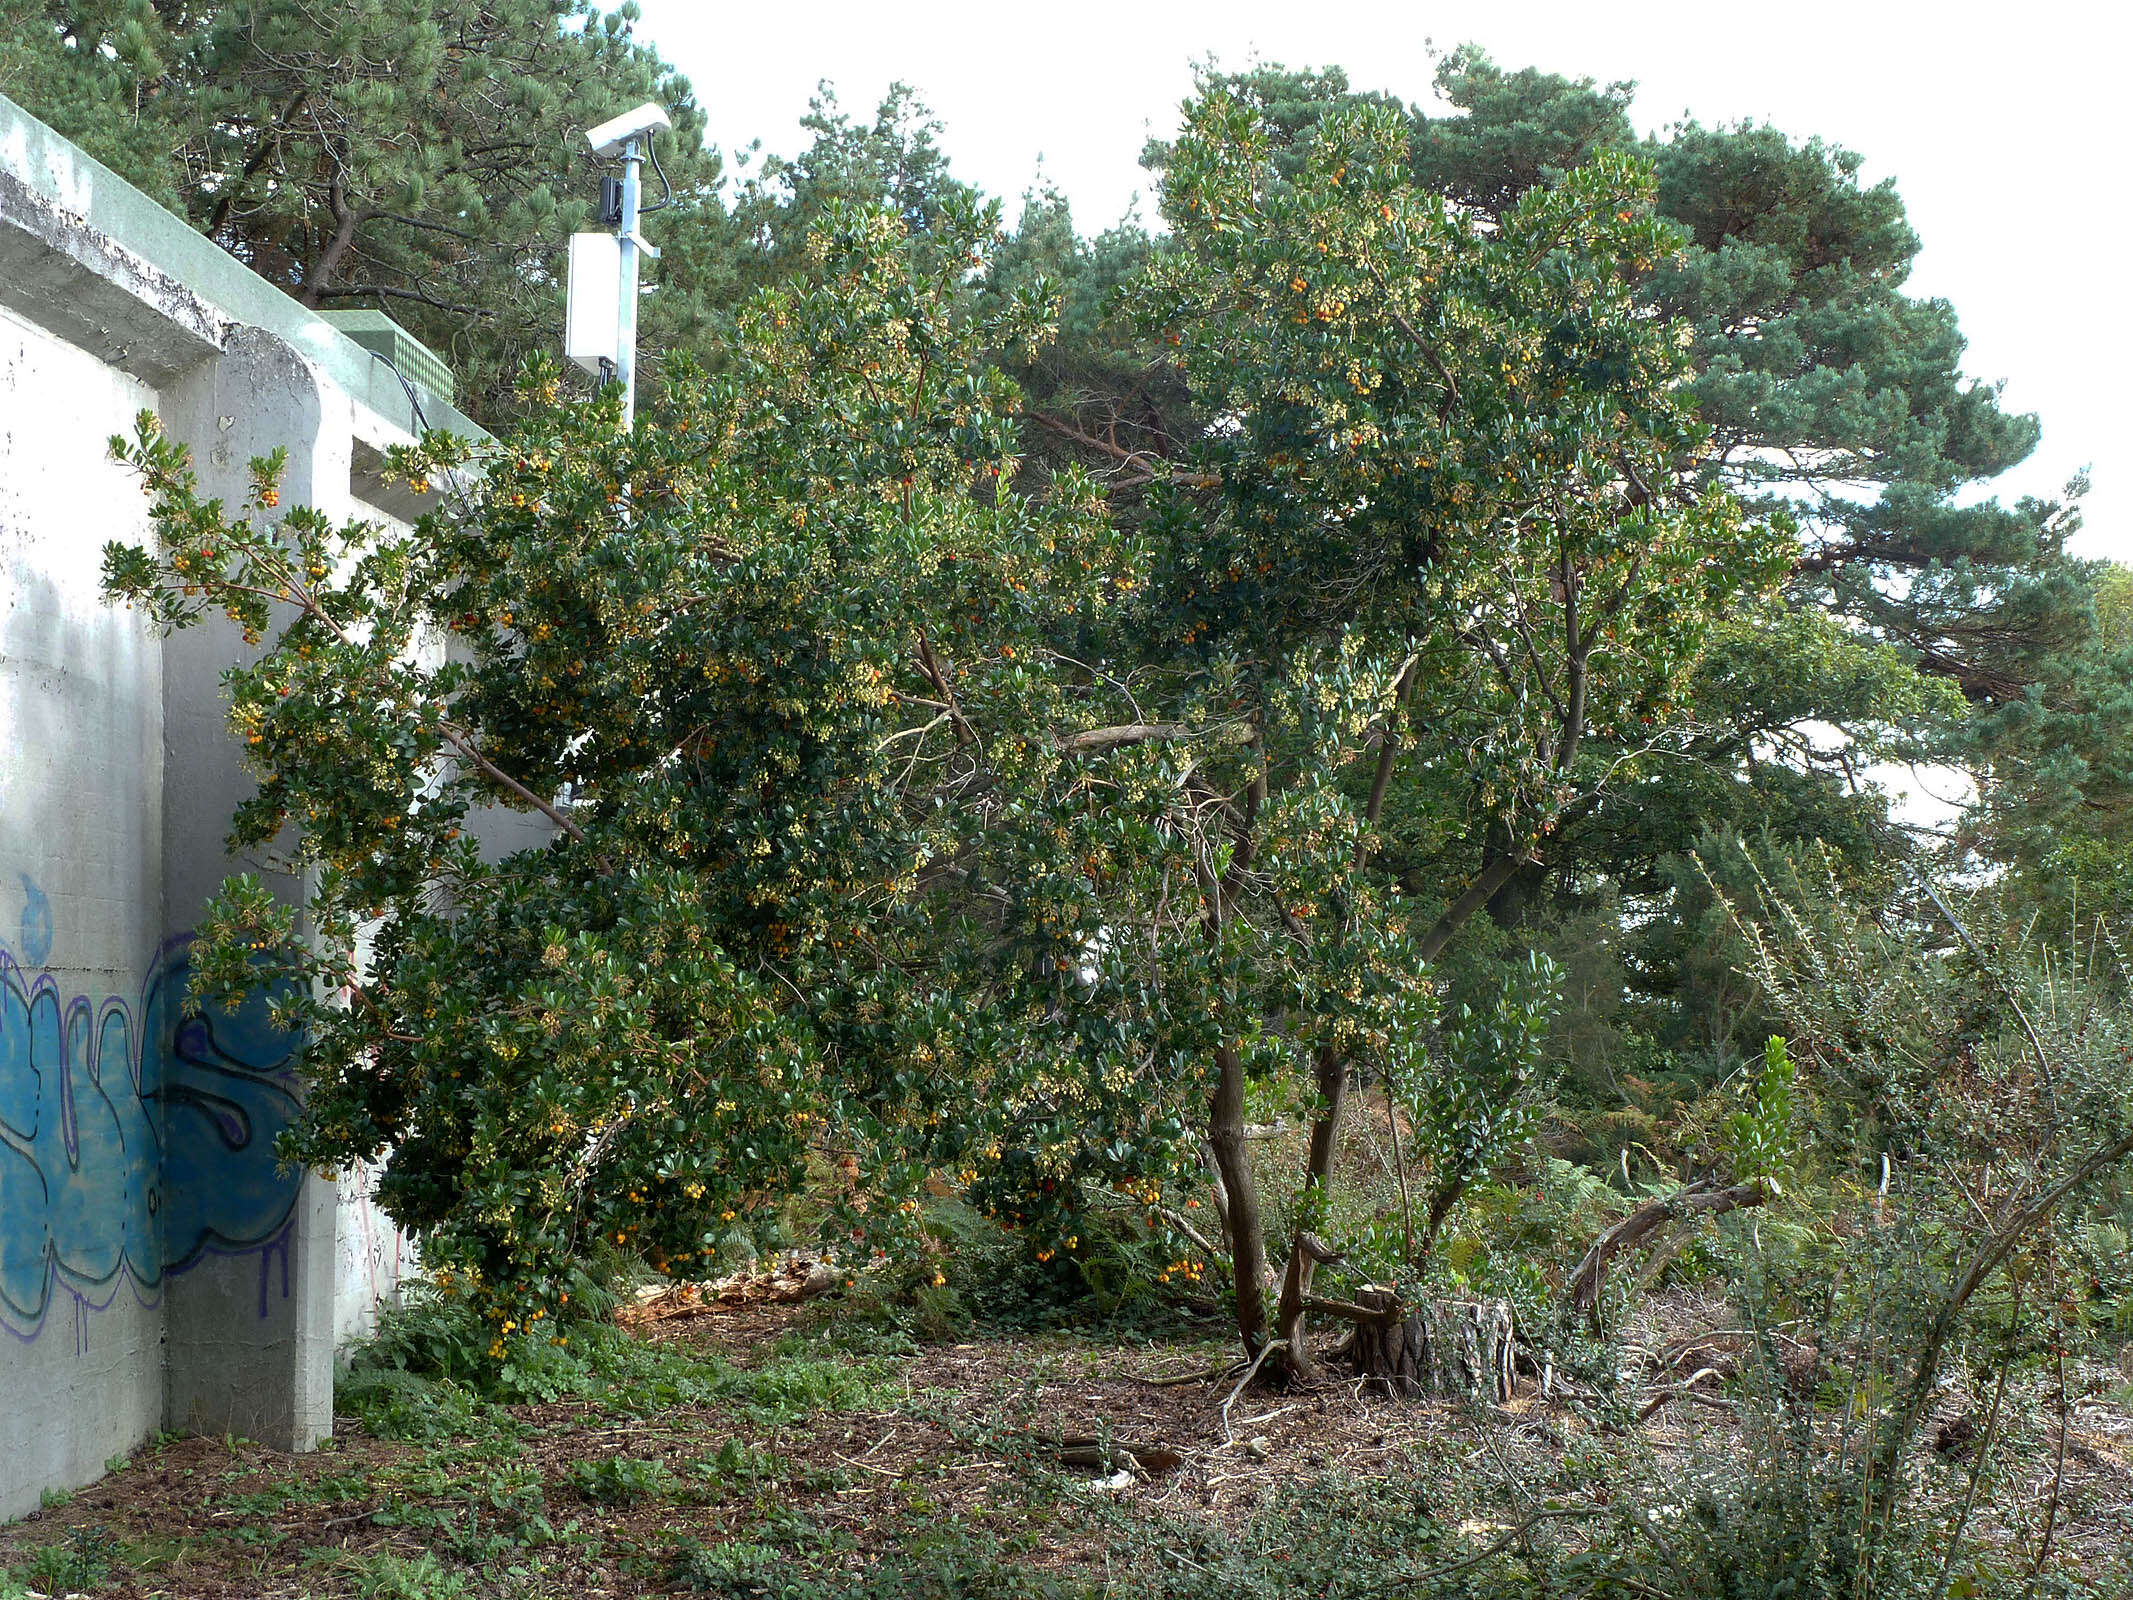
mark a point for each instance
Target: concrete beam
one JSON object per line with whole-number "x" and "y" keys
{"x": 84, "y": 287}
{"x": 249, "y": 1330}
{"x": 102, "y": 202}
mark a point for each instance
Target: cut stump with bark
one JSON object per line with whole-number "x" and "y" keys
{"x": 1461, "y": 1347}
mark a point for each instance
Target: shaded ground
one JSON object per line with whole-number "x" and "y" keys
{"x": 768, "y": 1449}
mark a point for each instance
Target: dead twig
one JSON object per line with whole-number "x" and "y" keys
{"x": 1977, "y": 1471}
{"x": 1517, "y": 1532}
{"x": 1685, "y": 1390}
{"x": 868, "y": 1466}
{"x": 1244, "y": 1382}
{"x": 1179, "y": 1380}
{"x": 2051, "y": 1513}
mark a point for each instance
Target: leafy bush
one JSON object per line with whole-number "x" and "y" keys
{"x": 1114, "y": 1265}
{"x": 735, "y": 1568}
{"x": 82, "y": 1563}
{"x": 736, "y": 1464}
{"x": 392, "y": 1404}
{"x": 718, "y": 633}
{"x": 798, "y": 1379}
{"x": 1759, "y": 1140}
{"x": 385, "y": 1576}
{"x": 621, "y": 1480}
{"x": 948, "y": 1563}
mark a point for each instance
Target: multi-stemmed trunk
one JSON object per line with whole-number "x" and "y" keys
{"x": 1226, "y": 1119}
{"x": 1240, "y": 1198}
{"x": 1306, "y": 1252}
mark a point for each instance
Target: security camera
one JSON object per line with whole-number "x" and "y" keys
{"x": 609, "y": 138}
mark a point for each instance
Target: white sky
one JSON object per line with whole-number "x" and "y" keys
{"x": 2002, "y": 126}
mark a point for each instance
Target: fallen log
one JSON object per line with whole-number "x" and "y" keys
{"x": 791, "y": 1281}
{"x": 1117, "y": 1455}
{"x": 1702, "y": 1198}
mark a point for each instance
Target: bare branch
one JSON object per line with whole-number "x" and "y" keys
{"x": 1098, "y": 741}
{"x": 1146, "y": 460}
{"x": 964, "y": 733}
{"x": 1701, "y": 1198}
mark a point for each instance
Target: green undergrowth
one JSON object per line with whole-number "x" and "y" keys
{"x": 423, "y": 1376}
{"x": 478, "y": 1518}
{"x": 1107, "y": 1278}
{"x": 614, "y": 1465}
{"x": 486, "y": 1516}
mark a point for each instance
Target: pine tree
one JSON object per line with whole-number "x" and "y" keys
{"x": 422, "y": 157}
{"x": 101, "y": 72}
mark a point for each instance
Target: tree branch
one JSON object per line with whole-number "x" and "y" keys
{"x": 346, "y": 219}
{"x": 1098, "y": 741}
{"x": 463, "y": 742}
{"x": 1982, "y": 1265}
{"x": 964, "y": 733}
{"x": 269, "y": 141}
{"x": 1701, "y": 1198}
{"x": 1486, "y": 882}
{"x": 404, "y": 294}
{"x": 1146, "y": 460}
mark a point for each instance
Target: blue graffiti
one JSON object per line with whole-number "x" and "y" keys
{"x": 132, "y": 1143}
{"x": 226, "y": 1094}
{"x": 36, "y": 923}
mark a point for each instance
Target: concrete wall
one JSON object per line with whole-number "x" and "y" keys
{"x": 81, "y": 897}
{"x": 370, "y": 1259}
{"x": 158, "y": 1268}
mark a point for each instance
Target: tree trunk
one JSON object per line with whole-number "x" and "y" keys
{"x": 1703, "y": 1198}
{"x": 1304, "y": 1254}
{"x": 1219, "y": 1190}
{"x": 1247, "y": 1239}
{"x": 319, "y": 278}
{"x": 1393, "y": 1352}
{"x": 269, "y": 140}
{"x": 1518, "y": 899}
{"x": 1477, "y": 894}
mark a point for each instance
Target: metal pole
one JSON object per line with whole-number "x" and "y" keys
{"x": 626, "y": 337}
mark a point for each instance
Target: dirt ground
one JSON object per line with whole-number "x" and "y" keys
{"x": 553, "y": 1499}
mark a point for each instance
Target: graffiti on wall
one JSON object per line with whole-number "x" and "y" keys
{"x": 36, "y": 922}
{"x": 134, "y": 1140}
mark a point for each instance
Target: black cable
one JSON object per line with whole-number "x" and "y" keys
{"x": 414, "y": 402}
{"x": 651, "y": 146}
{"x": 414, "y": 397}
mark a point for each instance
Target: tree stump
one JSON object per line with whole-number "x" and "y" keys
{"x": 1459, "y": 1347}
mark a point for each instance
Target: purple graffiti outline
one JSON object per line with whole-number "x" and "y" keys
{"x": 148, "y": 1294}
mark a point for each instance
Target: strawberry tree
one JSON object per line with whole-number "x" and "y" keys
{"x": 785, "y": 673}
{"x": 1441, "y": 554}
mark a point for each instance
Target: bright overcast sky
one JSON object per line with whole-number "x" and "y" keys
{"x": 2001, "y": 126}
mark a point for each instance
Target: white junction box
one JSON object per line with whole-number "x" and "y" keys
{"x": 592, "y": 321}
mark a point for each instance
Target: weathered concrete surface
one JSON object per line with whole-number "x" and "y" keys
{"x": 104, "y": 204}
{"x": 249, "y": 1330}
{"x": 251, "y": 1335}
{"x": 371, "y": 1258}
{"x": 81, "y": 914}
{"x": 157, "y": 1266}
{"x": 96, "y": 294}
